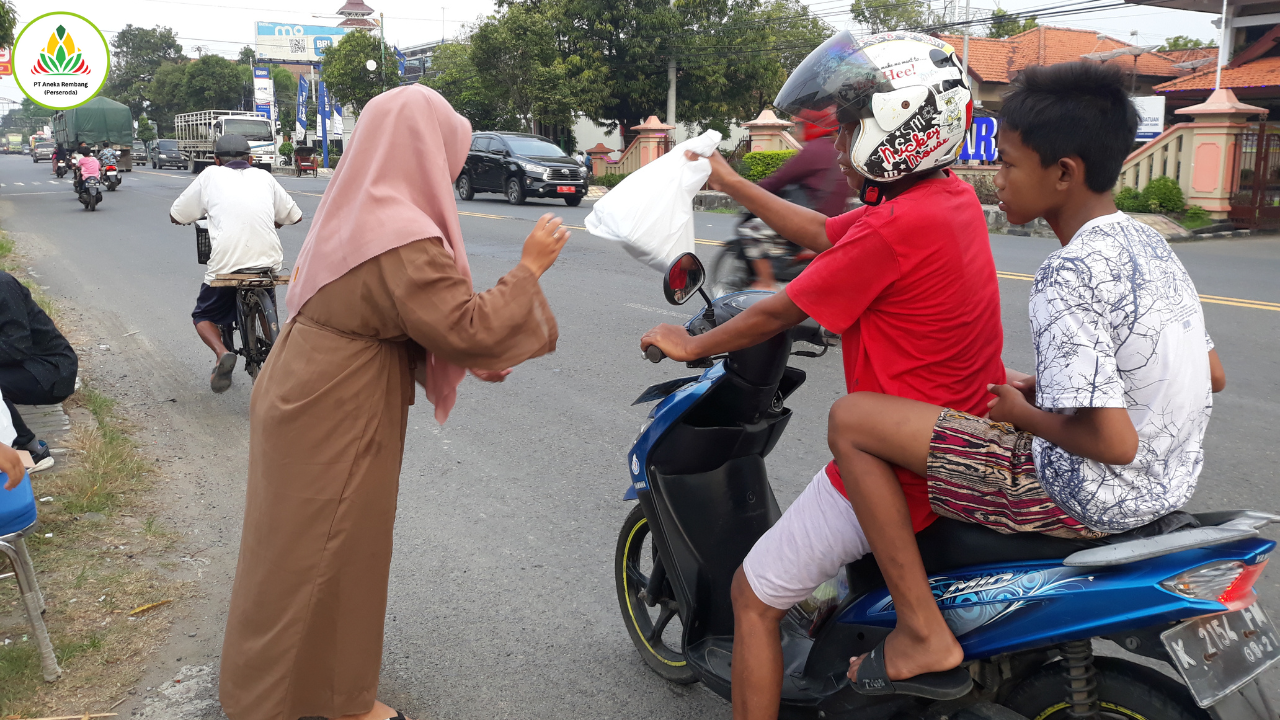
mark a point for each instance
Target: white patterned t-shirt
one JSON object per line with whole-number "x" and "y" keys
{"x": 1117, "y": 322}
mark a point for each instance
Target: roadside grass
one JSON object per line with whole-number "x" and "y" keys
{"x": 93, "y": 572}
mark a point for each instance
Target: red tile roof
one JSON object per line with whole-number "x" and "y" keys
{"x": 1263, "y": 72}
{"x": 1181, "y": 56}
{"x": 990, "y": 58}
{"x": 997, "y": 61}
{"x": 1048, "y": 45}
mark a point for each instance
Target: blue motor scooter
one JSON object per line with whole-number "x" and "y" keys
{"x": 1027, "y": 609}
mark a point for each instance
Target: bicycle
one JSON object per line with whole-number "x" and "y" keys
{"x": 256, "y": 323}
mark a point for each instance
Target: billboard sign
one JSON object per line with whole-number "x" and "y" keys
{"x": 285, "y": 42}
{"x": 1150, "y": 116}
{"x": 263, "y": 91}
{"x": 300, "y": 123}
{"x": 6, "y": 65}
{"x": 980, "y": 143}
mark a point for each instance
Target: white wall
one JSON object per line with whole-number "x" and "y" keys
{"x": 588, "y": 135}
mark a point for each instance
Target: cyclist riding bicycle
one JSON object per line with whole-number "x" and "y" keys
{"x": 245, "y": 206}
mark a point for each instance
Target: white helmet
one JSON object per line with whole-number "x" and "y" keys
{"x": 905, "y": 90}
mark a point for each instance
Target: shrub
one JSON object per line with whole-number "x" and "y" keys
{"x": 762, "y": 164}
{"x": 286, "y": 148}
{"x": 610, "y": 179}
{"x": 984, "y": 187}
{"x": 1163, "y": 195}
{"x": 1130, "y": 200}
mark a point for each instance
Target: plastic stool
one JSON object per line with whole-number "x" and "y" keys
{"x": 17, "y": 518}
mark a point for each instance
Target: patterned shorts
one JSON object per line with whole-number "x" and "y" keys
{"x": 981, "y": 471}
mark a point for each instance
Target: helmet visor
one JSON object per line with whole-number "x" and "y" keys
{"x": 834, "y": 83}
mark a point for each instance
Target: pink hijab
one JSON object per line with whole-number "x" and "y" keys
{"x": 380, "y": 198}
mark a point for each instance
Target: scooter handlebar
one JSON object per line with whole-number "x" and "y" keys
{"x": 654, "y": 354}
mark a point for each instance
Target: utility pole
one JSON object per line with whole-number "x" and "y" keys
{"x": 1223, "y": 52}
{"x": 671, "y": 85}
{"x": 964, "y": 60}
{"x": 382, "y": 39}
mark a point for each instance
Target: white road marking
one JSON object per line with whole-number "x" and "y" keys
{"x": 638, "y": 306}
{"x": 17, "y": 183}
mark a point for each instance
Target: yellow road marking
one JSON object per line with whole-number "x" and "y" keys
{"x": 1215, "y": 299}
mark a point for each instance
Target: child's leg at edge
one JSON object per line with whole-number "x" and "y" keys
{"x": 867, "y": 432}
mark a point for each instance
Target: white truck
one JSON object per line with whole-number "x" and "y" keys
{"x": 198, "y": 131}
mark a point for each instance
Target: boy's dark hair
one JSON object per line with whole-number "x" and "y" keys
{"x": 1075, "y": 108}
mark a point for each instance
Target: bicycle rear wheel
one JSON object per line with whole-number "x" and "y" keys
{"x": 259, "y": 327}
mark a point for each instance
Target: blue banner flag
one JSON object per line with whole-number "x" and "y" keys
{"x": 300, "y": 129}
{"x": 399, "y": 56}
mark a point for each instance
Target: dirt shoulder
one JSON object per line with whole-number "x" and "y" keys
{"x": 145, "y": 508}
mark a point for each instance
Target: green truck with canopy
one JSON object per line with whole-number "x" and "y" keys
{"x": 97, "y": 121}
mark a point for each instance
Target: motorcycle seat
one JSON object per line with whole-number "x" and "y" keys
{"x": 950, "y": 544}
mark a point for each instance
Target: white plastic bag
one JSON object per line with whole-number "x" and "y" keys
{"x": 651, "y": 211}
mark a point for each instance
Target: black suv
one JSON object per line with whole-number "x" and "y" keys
{"x": 520, "y": 166}
{"x": 165, "y": 153}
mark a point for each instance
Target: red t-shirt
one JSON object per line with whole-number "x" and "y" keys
{"x": 911, "y": 287}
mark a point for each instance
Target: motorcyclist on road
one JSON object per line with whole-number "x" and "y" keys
{"x": 86, "y": 166}
{"x": 108, "y": 155}
{"x": 245, "y": 206}
{"x": 821, "y": 187}
{"x": 60, "y": 155}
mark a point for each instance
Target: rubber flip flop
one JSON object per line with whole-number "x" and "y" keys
{"x": 221, "y": 378}
{"x": 873, "y": 679}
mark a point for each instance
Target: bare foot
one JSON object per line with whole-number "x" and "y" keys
{"x": 379, "y": 712}
{"x": 907, "y": 655}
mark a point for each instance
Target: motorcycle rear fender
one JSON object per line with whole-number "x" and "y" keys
{"x": 1011, "y": 607}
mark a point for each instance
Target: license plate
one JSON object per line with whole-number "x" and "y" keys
{"x": 567, "y": 189}
{"x": 1218, "y": 654}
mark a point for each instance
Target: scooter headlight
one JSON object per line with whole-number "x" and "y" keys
{"x": 1230, "y": 583}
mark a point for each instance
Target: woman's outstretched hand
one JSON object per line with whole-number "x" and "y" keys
{"x": 543, "y": 245}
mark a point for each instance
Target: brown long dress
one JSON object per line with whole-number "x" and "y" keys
{"x": 327, "y": 432}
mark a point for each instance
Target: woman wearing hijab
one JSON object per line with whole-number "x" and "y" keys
{"x": 382, "y": 295}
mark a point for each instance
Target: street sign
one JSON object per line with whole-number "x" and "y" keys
{"x": 263, "y": 91}
{"x": 1150, "y": 116}
{"x": 284, "y": 42}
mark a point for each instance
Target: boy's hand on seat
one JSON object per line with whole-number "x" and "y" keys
{"x": 673, "y": 340}
{"x": 1010, "y": 403}
{"x": 1027, "y": 386}
{"x": 11, "y": 465}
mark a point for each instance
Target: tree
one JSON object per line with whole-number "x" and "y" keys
{"x": 1181, "y": 42}
{"x": 516, "y": 55}
{"x": 247, "y": 56}
{"x": 1003, "y": 26}
{"x": 345, "y": 73}
{"x": 286, "y": 90}
{"x": 213, "y": 83}
{"x": 455, "y": 77}
{"x": 879, "y": 16}
{"x": 145, "y": 132}
{"x": 166, "y": 95}
{"x": 8, "y": 23}
{"x": 136, "y": 54}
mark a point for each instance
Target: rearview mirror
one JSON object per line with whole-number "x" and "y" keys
{"x": 683, "y": 279}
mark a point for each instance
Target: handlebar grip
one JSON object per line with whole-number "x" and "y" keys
{"x": 654, "y": 353}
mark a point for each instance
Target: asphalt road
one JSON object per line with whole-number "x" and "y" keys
{"x": 502, "y": 601}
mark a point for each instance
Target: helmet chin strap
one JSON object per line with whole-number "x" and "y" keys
{"x": 875, "y": 192}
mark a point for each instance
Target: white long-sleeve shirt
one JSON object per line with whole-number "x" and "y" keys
{"x": 243, "y": 205}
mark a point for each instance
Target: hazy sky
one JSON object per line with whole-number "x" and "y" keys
{"x": 224, "y": 29}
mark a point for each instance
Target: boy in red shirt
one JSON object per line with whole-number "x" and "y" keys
{"x": 909, "y": 283}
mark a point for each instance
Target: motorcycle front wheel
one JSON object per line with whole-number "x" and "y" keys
{"x": 730, "y": 272}
{"x": 659, "y": 640}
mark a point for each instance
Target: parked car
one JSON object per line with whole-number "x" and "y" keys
{"x": 140, "y": 155}
{"x": 165, "y": 153}
{"x": 44, "y": 151}
{"x": 520, "y": 166}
